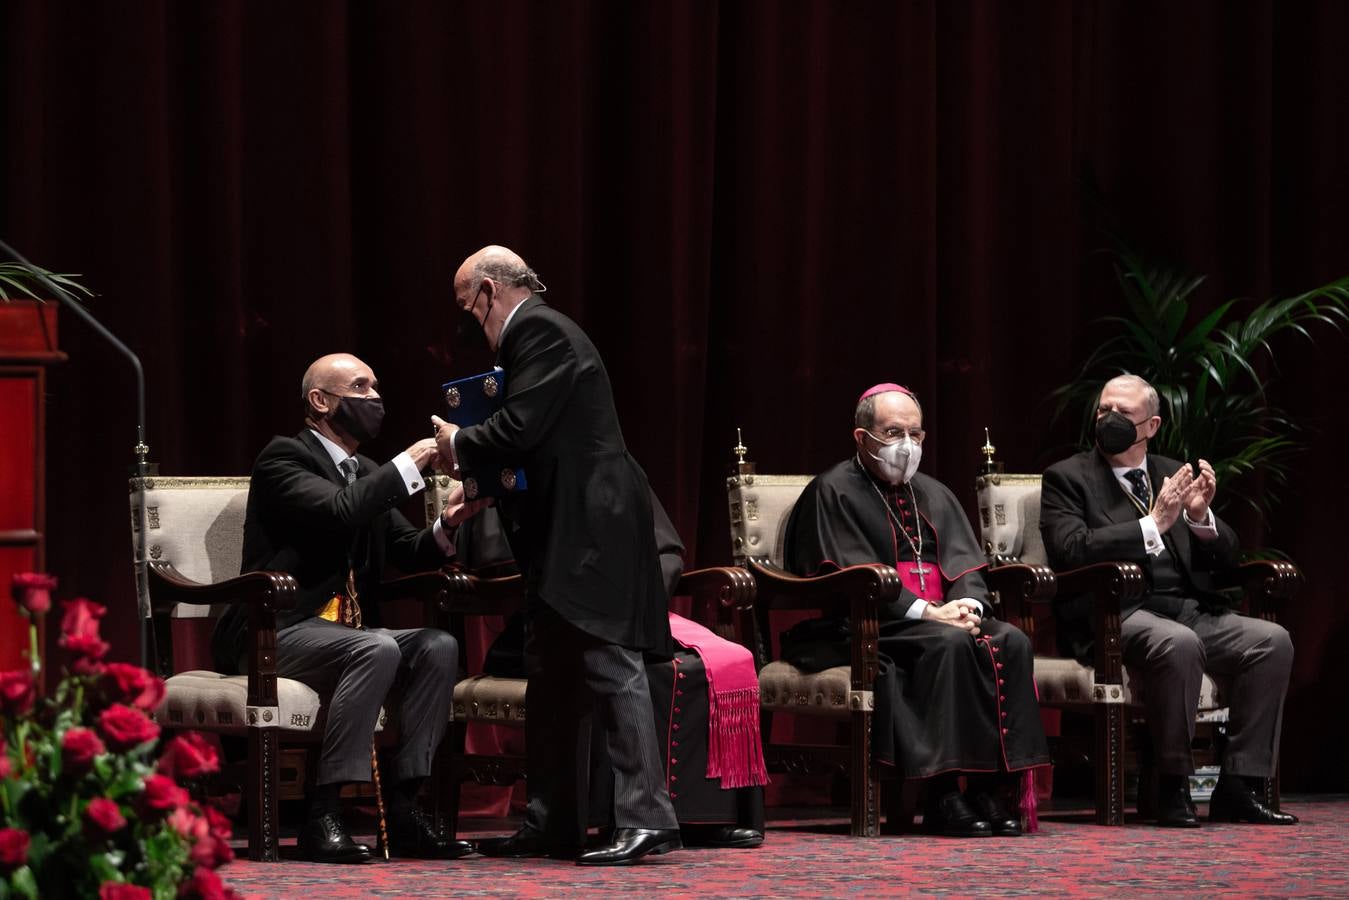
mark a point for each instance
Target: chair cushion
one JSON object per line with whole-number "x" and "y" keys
{"x": 784, "y": 687}
{"x": 209, "y": 701}
{"x": 1066, "y": 682}
{"x": 484, "y": 698}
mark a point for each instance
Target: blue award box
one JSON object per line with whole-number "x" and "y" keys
{"x": 471, "y": 401}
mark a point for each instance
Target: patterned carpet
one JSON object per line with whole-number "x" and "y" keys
{"x": 1069, "y": 857}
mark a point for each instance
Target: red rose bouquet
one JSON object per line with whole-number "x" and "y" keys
{"x": 91, "y": 803}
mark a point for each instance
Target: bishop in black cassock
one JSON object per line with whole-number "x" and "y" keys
{"x": 955, "y": 693}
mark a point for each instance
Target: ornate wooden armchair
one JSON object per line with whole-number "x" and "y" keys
{"x": 760, "y": 506}
{"x": 195, "y": 529}
{"x": 725, "y": 596}
{"x": 1009, "y": 521}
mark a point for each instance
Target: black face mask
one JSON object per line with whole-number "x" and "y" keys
{"x": 360, "y": 417}
{"x": 1115, "y": 433}
{"x": 472, "y": 334}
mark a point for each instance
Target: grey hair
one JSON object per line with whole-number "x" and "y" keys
{"x": 507, "y": 271}
{"x": 865, "y": 414}
{"x": 1152, "y": 404}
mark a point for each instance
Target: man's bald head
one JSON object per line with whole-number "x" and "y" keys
{"x": 501, "y": 264}
{"x": 337, "y": 373}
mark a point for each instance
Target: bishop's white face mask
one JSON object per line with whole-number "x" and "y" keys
{"x": 898, "y": 460}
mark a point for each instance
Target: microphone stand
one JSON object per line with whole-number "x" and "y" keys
{"x": 147, "y": 635}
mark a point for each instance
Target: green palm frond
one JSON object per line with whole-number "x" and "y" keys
{"x": 18, "y": 280}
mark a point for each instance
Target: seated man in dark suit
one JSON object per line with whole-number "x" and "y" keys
{"x": 1118, "y": 502}
{"x": 328, "y": 517}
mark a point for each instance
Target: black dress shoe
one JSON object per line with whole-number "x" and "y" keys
{"x": 991, "y": 808}
{"x": 415, "y": 836}
{"x": 1174, "y": 808}
{"x": 325, "y": 840}
{"x": 720, "y": 836}
{"x": 953, "y": 816}
{"x": 630, "y": 845}
{"x": 526, "y": 842}
{"x": 1235, "y": 801}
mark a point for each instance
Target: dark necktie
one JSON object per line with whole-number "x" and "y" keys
{"x": 348, "y": 608}
{"x": 1142, "y": 491}
{"x": 348, "y": 467}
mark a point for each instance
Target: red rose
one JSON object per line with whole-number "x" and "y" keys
{"x": 33, "y": 591}
{"x": 13, "y": 849}
{"x": 131, "y": 684}
{"x": 189, "y": 755}
{"x": 105, "y": 815}
{"x": 79, "y": 746}
{"x": 86, "y": 666}
{"x": 79, "y": 628}
{"x": 162, "y": 794}
{"x": 112, "y": 890}
{"x": 211, "y": 852}
{"x": 205, "y": 885}
{"x": 221, "y": 826}
{"x": 17, "y": 692}
{"x": 125, "y": 728}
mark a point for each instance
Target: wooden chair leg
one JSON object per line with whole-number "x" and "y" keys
{"x": 263, "y": 776}
{"x": 1109, "y": 752}
{"x": 866, "y": 782}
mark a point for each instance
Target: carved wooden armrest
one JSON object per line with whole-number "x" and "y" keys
{"x": 470, "y": 594}
{"x": 1109, "y": 581}
{"x": 425, "y": 586}
{"x": 1265, "y": 583}
{"x": 1022, "y": 581}
{"x": 729, "y": 586}
{"x": 269, "y": 590}
{"x": 780, "y": 589}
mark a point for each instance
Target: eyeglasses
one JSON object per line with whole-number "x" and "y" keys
{"x": 893, "y": 434}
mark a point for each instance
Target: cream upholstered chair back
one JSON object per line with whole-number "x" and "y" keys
{"x": 195, "y": 524}
{"x": 760, "y": 506}
{"x": 1009, "y": 517}
{"x": 436, "y": 495}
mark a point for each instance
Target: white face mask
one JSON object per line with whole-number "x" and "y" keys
{"x": 898, "y": 461}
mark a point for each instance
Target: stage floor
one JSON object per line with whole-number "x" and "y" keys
{"x": 1070, "y": 856}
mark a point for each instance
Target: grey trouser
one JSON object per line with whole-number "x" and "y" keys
{"x": 571, "y": 673}
{"x": 1250, "y": 658}
{"x": 353, "y": 670}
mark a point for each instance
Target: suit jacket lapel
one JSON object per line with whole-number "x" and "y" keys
{"x": 1109, "y": 492}
{"x": 321, "y": 457}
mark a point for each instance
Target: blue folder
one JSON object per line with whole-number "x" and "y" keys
{"x": 471, "y": 401}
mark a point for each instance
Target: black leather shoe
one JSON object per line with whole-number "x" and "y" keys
{"x": 720, "y": 836}
{"x": 953, "y": 816}
{"x": 325, "y": 840}
{"x": 1174, "y": 808}
{"x": 630, "y": 845}
{"x": 1235, "y": 801}
{"x": 415, "y": 836}
{"x": 991, "y": 808}
{"x": 526, "y": 842}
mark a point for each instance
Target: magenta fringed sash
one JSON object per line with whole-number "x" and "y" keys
{"x": 734, "y": 750}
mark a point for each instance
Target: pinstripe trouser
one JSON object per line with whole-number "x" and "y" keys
{"x": 570, "y": 674}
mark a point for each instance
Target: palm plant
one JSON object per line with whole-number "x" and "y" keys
{"x": 17, "y": 279}
{"x": 1213, "y": 377}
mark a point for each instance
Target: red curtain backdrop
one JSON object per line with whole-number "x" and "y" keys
{"x": 756, "y": 209}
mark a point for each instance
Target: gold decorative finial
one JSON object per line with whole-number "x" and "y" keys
{"x": 989, "y": 466}
{"x": 739, "y": 449}
{"x": 740, "y": 468}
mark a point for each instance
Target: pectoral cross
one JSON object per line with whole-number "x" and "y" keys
{"x": 921, "y": 572}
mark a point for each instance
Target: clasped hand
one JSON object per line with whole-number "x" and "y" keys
{"x": 1185, "y": 491}
{"x": 963, "y": 614}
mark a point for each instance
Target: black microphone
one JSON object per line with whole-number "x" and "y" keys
{"x": 140, "y": 450}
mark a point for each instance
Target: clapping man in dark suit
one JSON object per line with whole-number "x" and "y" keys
{"x": 328, "y": 516}
{"x": 583, "y": 537}
{"x": 1118, "y": 502}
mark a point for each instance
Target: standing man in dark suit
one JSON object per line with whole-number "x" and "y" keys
{"x": 1117, "y": 502}
{"x": 328, "y": 516}
{"x": 583, "y": 536}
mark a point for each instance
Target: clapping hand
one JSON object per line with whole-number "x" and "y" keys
{"x": 1170, "y": 499}
{"x": 1199, "y": 494}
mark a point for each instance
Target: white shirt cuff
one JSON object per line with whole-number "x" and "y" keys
{"x": 443, "y": 539}
{"x": 915, "y": 610}
{"x": 411, "y": 477}
{"x": 1205, "y": 530}
{"x": 1152, "y": 538}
